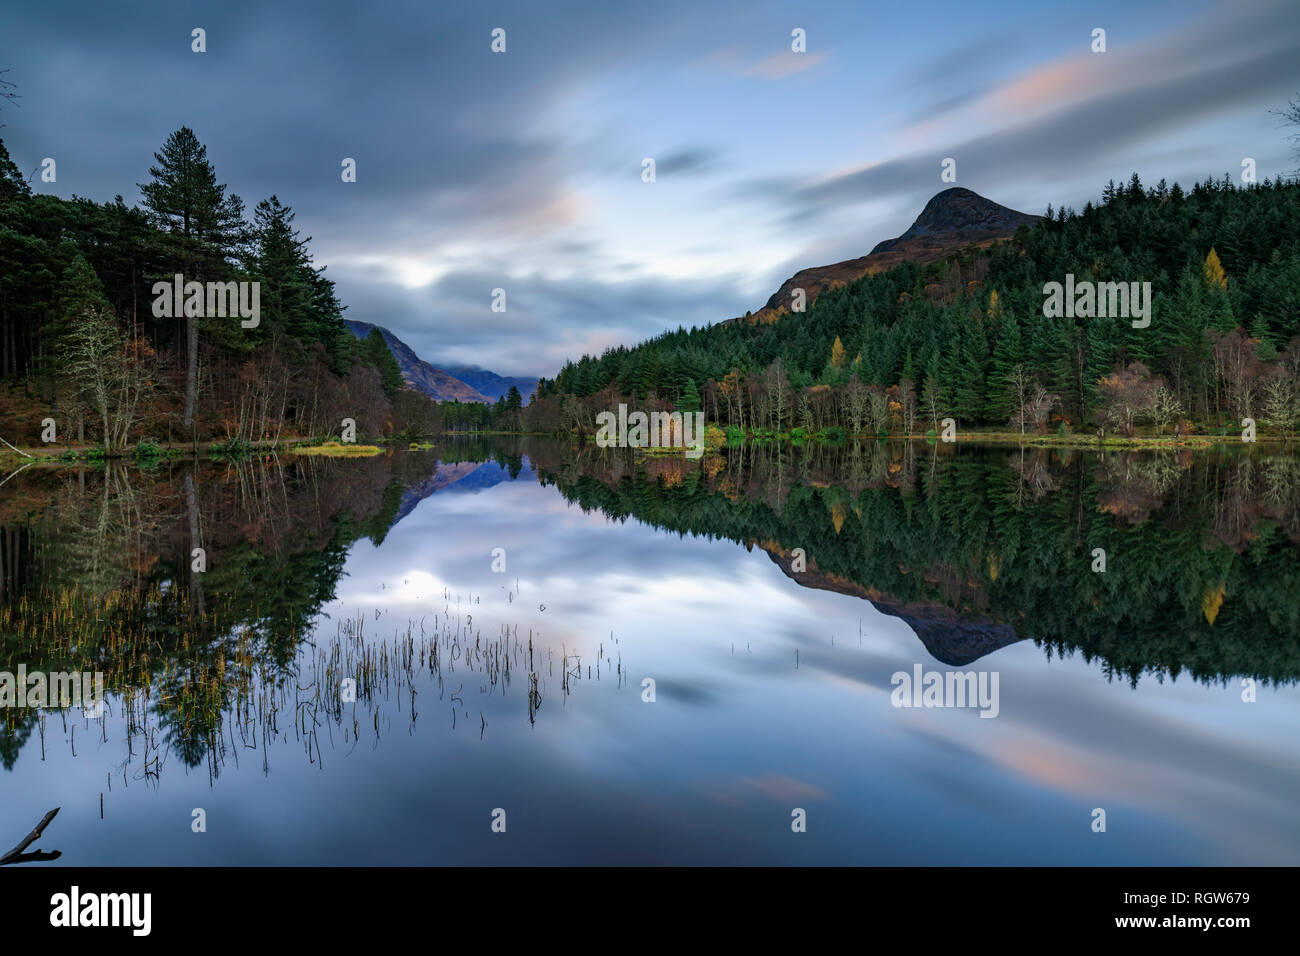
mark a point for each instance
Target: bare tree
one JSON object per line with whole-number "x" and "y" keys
{"x": 909, "y": 408}
{"x": 1037, "y": 408}
{"x": 1165, "y": 407}
{"x": 1281, "y": 403}
{"x": 877, "y": 410}
{"x": 1291, "y": 117}
{"x": 110, "y": 373}
{"x": 1237, "y": 365}
{"x": 855, "y": 403}
{"x": 7, "y": 94}
{"x": 1127, "y": 396}
{"x": 932, "y": 399}
{"x": 776, "y": 387}
{"x": 805, "y": 410}
{"x": 1019, "y": 384}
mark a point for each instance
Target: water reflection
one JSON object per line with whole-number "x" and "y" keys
{"x": 978, "y": 549}
{"x": 476, "y": 690}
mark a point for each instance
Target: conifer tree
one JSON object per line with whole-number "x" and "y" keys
{"x": 206, "y": 224}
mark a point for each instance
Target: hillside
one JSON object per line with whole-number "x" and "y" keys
{"x": 434, "y": 382}
{"x": 957, "y": 328}
{"x": 954, "y": 219}
{"x": 491, "y": 384}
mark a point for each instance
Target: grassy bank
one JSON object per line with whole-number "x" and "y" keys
{"x": 716, "y": 437}
{"x": 332, "y": 449}
{"x": 148, "y": 453}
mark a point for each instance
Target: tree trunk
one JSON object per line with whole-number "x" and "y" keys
{"x": 191, "y": 370}
{"x": 191, "y": 503}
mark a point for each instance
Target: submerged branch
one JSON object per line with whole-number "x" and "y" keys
{"x": 16, "y": 855}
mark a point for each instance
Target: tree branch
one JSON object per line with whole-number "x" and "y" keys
{"x": 19, "y": 450}
{"x": 16, "y": 855}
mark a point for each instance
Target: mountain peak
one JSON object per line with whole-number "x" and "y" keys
{"x": 953, "y": 219}
{"x": 961, "y": 214}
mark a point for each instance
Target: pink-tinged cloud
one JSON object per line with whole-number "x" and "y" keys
{"x": 785, "y": 64}
{"x": 780, "y": 787}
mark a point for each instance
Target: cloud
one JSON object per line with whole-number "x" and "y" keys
{"x": 687, "y": 161}
{"x": 1089, "y": 130}
{"x": 784, "y": 788}
{"x": 547, "y": 320}
{"x": 478, "y": 170}
{"x": 780, "y": 65}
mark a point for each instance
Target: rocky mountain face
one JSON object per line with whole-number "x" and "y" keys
{"x": 954, "y": 219}
{"x": 434, "y": 382}
{"x": 468, "y": 383}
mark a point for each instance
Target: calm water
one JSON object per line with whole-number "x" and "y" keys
{"x": 1120, "y": 690}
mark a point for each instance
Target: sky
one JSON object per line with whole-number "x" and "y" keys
{"x": 523, "y": 170}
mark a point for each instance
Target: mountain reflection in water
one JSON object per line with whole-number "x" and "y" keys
{"x": 475, "y": 690}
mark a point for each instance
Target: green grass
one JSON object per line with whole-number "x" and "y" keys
{"x": 332, "y": 449}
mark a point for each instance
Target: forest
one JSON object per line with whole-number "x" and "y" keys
{"x": 80, "y": 343}
{"x": 85, "y": 360}
{"x": 966, "y": 337}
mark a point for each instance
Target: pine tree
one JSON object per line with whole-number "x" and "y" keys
{"x": 280, "y": 262}
{"x": 966, "y": 372}
{"x": 186, "y": 201}
{"x": 690, "y": 400}
{"x": 80, "y": 290}
{"x": 377, "y": 353}
{"x": 651, "y": 371}
{"x": 1008, "y": 353}
{"x": 12, "y": 184}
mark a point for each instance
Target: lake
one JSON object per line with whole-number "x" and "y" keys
{"x": 573, "y": 655}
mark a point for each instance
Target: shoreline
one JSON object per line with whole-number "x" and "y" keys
{"x": 83, "y": 455}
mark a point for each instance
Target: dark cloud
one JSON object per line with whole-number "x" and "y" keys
{"x": 686, "y": 161}
{"x": 458, "y": 150}
{"x": 443, "y": 130}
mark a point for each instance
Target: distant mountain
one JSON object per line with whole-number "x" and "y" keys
{"x": 469, "y": 383}
{"x": 434, "y": 382}
{"x": 951, "y": 220}
{"x": 490, "y": 383}
{"x": 469, "y": 477}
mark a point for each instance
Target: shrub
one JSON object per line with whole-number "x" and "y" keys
{"x": 231, "y": 448}
{"x": 146, "y": 450}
